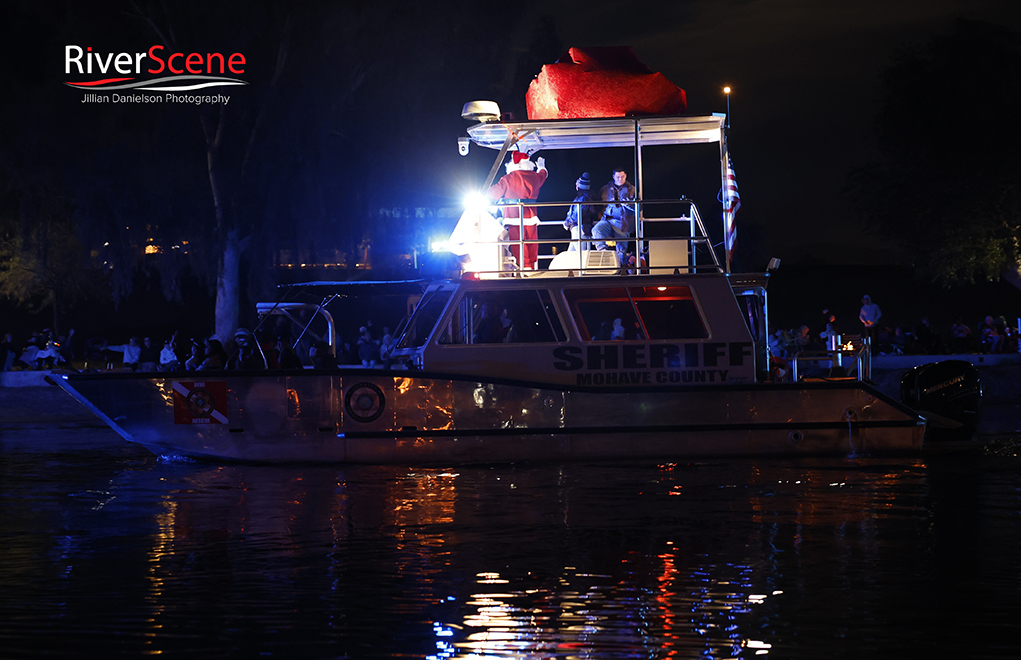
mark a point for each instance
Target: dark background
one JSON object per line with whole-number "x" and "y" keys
{"x": 368, "y": 116}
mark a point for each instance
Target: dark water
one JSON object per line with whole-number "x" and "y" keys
{"x": 106, "y": 551}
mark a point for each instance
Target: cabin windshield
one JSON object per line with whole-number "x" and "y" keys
{"x": 507, "y": 316}
{"x": 422, "y": 323}
{"x": 636, "y": 312}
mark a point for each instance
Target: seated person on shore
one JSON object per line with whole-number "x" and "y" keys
{"x": 991, "y": 337}
{"x": 319, "y": 353}
{"x": 960, "y": 337}
{"x": 386, "y": 346}
{"x": 926, "y": 338}
{"x": 9, "y": 352}
{"x": 368, "y": 349}
{"x": 148, "y": 356}
{"x": 831, "y": 335}
{"x": 132, "y": 352}
{"x": 64, "y": 348}
{"x": 48, "y": 356}
{"x": 803, "y": 339}
{"x": 215, "y": 358}
{"x": 28, "y": 356}
{"x": 777, "y": 345}
{"x": 168, "y": 357}
{"x": 1009, "y": 339}
{"x": 195, "y": 357}
{"x": 99, "y": 349}
{"x": 248, "y": 353}
{"x": 286, "y": 357}
{"x": 883, "y": 344}
{"x": 346, "y": 354}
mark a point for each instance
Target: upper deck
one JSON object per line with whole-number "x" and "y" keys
{"x": 669, "y": 234}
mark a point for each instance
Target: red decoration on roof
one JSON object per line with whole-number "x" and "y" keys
{"x": 606, "y": 81}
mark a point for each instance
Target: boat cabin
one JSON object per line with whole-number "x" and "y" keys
{"x": 650, "y": 330}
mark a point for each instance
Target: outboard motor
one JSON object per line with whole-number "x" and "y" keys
{"x": 948, "y": 394}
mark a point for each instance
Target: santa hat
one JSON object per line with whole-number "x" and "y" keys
{"x": 519, "y": 161}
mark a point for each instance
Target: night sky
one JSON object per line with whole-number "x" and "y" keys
{"x": 805, "y": 76}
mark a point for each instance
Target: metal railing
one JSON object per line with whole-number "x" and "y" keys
{"x": 680, "y": 245}
{"x": 853, "y": 349}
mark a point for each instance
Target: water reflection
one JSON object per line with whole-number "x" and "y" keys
{"x": 694, "y": 614}
{"x": 712, "y": 559}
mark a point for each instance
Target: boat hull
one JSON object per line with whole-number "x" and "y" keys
{"x": 381, "y": 417}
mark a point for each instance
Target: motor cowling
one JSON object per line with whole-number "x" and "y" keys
{"x": 948, "y": 394}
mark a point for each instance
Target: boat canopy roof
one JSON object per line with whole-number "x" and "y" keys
{"x": 380, "y": 286}
{"x": 314, "y": 292}
{"x": 596, "y": 133}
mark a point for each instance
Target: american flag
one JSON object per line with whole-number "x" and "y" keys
{"x": 731, "y": 205}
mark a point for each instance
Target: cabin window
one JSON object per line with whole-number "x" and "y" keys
{"x": 597, "y": 311}
{"x": 522, "y": 316}
{"x": 425, "y": 317}
{"x": 636, "y": 313}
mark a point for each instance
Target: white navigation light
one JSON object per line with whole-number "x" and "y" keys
{"x": 481, "y": 111}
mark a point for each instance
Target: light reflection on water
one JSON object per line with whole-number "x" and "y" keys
{"x": 586, "y": 612}
{"x": 838, "y": 558}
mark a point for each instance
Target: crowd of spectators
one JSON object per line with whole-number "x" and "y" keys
{"x": 43, "y": 350}
{"x": 991, "y": 335}
{"x": 244, "y": 351}
{"x": 373, "y": 348}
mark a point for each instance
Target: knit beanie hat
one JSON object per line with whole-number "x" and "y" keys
{"x": 583, "y": 182}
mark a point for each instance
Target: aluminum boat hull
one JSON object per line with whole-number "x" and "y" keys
{"x": 410, "y": 417}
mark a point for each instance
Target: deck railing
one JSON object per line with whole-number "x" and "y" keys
{"x": 853, "y": 356}
{"x": 669, "y": 237}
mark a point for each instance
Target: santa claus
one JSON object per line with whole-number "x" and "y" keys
{"x": 521, "y": 184}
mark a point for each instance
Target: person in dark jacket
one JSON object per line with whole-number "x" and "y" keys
{"x": 248, "y": 355}
{"x": 321, "y": 357}
{"x": 148, "y": 356}
{"x": 581, "y": 216}
{"x": 618, "y": 220}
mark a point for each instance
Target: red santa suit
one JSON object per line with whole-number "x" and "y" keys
{"x": 520, "y": 184}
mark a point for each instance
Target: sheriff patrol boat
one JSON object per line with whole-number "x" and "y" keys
{"x": 663, "y": 356}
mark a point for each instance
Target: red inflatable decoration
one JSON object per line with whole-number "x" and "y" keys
{"x": 602, "y": 82}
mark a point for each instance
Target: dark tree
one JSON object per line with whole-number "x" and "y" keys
{"x": 42, "y": 263}
{"x": 946, "y": 186}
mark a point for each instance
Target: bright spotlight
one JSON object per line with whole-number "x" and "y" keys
{"x": 440, "y": 246}
{"x": 476, "y": 202}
